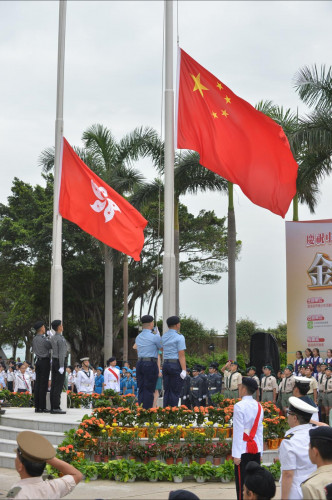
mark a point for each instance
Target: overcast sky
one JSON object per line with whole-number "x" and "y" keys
{"x": 113, "y": 76}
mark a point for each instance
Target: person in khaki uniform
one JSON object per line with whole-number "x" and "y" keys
{"x": 321, "y": 386}
{"x": 312, "y": 393}
{"x": 320, "y": 454}
{"x": 286, "y": 387}
{"x": 251, "y": 372}
{"x": 327, "y": 401}
{"x": 233, "y": 379}
{"x": 33, "y": 453}
{"x": 269, "y": 386}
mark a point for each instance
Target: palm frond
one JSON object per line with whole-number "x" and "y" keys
{"x": 101, "y": 144}
{"x": 140, "y": 143}
{"x": 315, "y": 87}
{"x": 190, "y": 176}
{"x": 147, "y": 193}
{"x": 46, "y": 159}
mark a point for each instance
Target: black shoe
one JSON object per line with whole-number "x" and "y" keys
{"x": 45, "y": 411}
{"x": 38, "y": 411}
{"x": 58, "y": 411}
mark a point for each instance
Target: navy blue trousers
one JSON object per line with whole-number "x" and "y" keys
{"x": 146, "y": 375}
{"x": 172, "y": 383}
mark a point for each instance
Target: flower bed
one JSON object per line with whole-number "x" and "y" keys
{"x": 17, "y": 399}
{"x": 129, "y": 470}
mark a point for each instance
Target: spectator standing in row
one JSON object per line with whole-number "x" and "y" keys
{"x": 328, "y": 360}
{"x": 286, "y": 387}
{"x": 313, "y": 385}
{"x": 99, "y": 380}
{"x": 233, "y": 379}
{"x": 174, "y": 367}
{"x": 316, "y": 359}
{"x": 22, "y": 381}
{"x": 259, "y": 483}
{"x": 251, "y": 372}
{"x": 298, "y": 362}
{"x": 269, "y": 386}
{"x": 85, "y": 380}
{"x": 308, "y": 356}
{"x": 112, "y": 376}
{"x": 41, "y": 347}
{"x": 59, "y": 354}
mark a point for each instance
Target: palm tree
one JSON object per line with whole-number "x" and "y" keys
{"x": 189, "y": 178}
{"x": 112, "y": 161}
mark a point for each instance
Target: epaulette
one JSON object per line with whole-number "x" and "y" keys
{"x": 13, "y": 492}
{"x": 289, "y": 436}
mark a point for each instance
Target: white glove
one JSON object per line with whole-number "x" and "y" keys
{"x": 61, "y": 370}
{"x": 183, "y": 374}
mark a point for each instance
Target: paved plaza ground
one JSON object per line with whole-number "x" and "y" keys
{"x": 138, "y": 490}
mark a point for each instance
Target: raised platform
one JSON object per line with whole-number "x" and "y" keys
{"x": 52, "y": 427}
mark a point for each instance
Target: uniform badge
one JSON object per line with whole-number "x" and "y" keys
{"x": 289, "y": 436}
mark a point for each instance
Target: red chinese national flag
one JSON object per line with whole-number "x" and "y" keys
{"x": 233, "y": 139}
{"x": 96, "y": 208}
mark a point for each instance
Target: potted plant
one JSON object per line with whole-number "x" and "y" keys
{"x": 168, "y": 454}
{"x": 178, "y": 472}
{"x": 155, "y": 471}
{"x": 225, "y": 471}
{"x": 201, "y": 472}
{"x": 124, "y": 470}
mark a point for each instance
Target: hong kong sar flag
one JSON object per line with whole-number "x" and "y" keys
{"x": 95, "y": 207}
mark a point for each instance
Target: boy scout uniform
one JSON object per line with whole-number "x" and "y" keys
{"x": 255, "y": 396}
{"x": 327, "y": 400}
{"x": 232, "y": 381}
{"x": 269, "y": 383}
{"x": 321, "y": 386}
{"x": 313, "y": 385}
{"x": 36, "y": 448}
{"x": 286, "y": 387}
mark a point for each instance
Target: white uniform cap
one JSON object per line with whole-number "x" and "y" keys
{"x": 300, "y": 405}
{"x": 304, "y": 380}
{"x": 84, "y": 359}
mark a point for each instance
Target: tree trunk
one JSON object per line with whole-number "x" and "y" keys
{"x": 231, "y": 238}
{"x": 177, "y": 255}
{"x": 109, "y": 268}
{"x": 125, "y": 308}
{"x": 296, "y": 208}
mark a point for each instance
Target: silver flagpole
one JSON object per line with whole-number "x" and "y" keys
{"x": 56, "y": 271}
{"x": 169, "y": 258}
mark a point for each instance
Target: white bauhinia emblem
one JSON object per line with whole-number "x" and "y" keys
{"x": 103, "y": 202}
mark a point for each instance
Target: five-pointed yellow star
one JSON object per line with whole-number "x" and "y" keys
{"x": 219, "y": 86}
{"x": 198, "y": 85}
{"x": 214, "y": 114}
{"x": 224, "y": 112}
{"x": 227, "y": 99}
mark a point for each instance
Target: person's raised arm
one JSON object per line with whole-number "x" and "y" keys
{"x": 66, "y": 469}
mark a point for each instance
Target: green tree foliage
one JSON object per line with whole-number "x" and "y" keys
{"x": 25, "y": 256}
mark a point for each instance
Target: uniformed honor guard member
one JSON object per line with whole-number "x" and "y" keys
{"x": 174, "y": 367}
{"x": 251, "y": 372}
{"x": 59, "y": 354}
{"x": 185, "y": 392}
{"x": 233, "y": 379}
{"x": 296, "y": 466}
{"x": 111, "y": 375}
{"x": 196, "y": 388}
{"x": 327, "y": 401}
{"x": 33, "y": 453}
{"x": 41, "y": 348}
{"x": 85, "y": 381}
{"x": 147, "y": 371}
{"x": 287, "y": 386}
{"x": 247, "y": 443}
{"x": 320, "y": 454}
{"x": 269, "y": 386}
{"x": 214, "y": 382}
{"x": 204, "y": 377}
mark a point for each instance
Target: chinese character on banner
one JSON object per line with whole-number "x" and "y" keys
{"x": 310, "y": 240}
{"x": 320, "y": 272}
